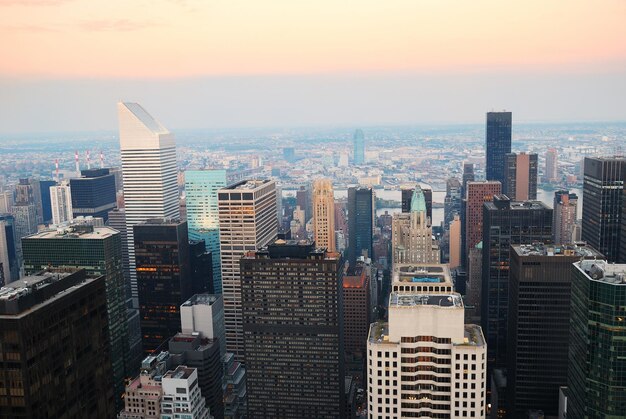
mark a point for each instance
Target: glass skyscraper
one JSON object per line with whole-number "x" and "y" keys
{"x": 359, "y": 147}
{"x": 93, "y": 194}
{"x": 360, "y": 223}
{"x": 201, "y": 188}
{"x": 497, "y": 144}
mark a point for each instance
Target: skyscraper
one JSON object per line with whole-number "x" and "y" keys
{"x": 360, "y": 223}
{"x": 551, "y": 174}
{"x": 539, "y": 321}
{"x": 163, "y": 277}
{"x": 292, "y": 309}
{"x": 468, "y": 174}
{"x": 356, "y": 319}
{"x": 425, "y": 361}
{"x": 412, "y": 239}
{"x": 452, "y": 201}
{"x": 324, "y": 214}
{"x": 505, "y": 223}
{"x": 497, "y": 144}
{"x": 56, "y": 359}
{"x": 94, "y": 193}
{"x": 247, "y": 215}
{"x": 201, "y": 188}
{"x": 148, "y": 153}
{"x": 454, "y": 242}
{"x": 61, "y": 203}
{"x": 520, "y": 176}
{"x": 9, "y": 266}
{"x": 117, "y": 220}
{"x": 564, "y": 216}
{"x": 46, "y": 205}
{"x": 359, "y": 147}
{"x": 407, "y": 197}
{"x": 476, "y": 194}
{"x": 597, "y": 372}
{"x": 181, "y": 394}
{"x": 603, "y": 204}
{"x": 6, "y": 202}
{"x": 99, "y": 251}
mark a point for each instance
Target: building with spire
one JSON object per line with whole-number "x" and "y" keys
{"x": 412, "y": 239}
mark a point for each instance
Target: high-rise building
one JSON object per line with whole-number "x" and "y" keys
{"x": 551, "y": 174}
{"x": 247, "y": 216}
{"x": 117, "y": 221}
{"x": 359, "y": 147}
{"x": 163, "y": 277}
{"x": 94, "y": 193}
{"x": 289, "y": 154}
{"x": 61, "y": 203}
{"x": 564, "y": 217}
{"x": 357, "y": 311}
{"x": 46, "y": 205}
{"x": 201, "y": 268}
{"x": 407, "y": 197}
{"x": 428, "y": 199}
{"x": 292, "y": 315}
{"x": 603, "y": 204}
{"x": 468, "y": 175}
{"x": 182, "y": 397}
{"x": 520, "y": 176}
{"x": 597, "y": 372}
{"x": 412, "y": 237}
{"x": 454, "y": 242}
{"x": 476, "y": 194}
{"x": 452, "y": 201}
{"x": 55, "y": 352}
{"x": 99, "y": 251}
{"x": 142, "y": 398}
{"x": 361, "y": 211}
{"x": 201, "y": 188}
{"x": 6, "y": 202}
{"x": 505, "y": 223}
{"x": 539, "y": 321}
{"x": 303, "y": 200}
{"x": 425, "y": 361}
{"x": 9, "y": 264}
{"x": 497, "y": 144}
{"x": 148, "y": 153}
{"x": 324, "y": 214}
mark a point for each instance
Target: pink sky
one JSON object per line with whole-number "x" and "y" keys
{"x": 178, "y": 38}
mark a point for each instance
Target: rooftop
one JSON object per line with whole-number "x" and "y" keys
{"x": 602, "y": 271}
{"x": 201, "y": 299}
{"x": 413, "y": 300}
{"x": 558, "y": 250}
{"x": 422, "y": 273}
{"x": 75, "y": 231}
{"x": 146, "y": 119}
{"x": 473, "y": 335}
{"x": 181, "y": 372}
{"x": 502, "y": 202}
{"x": 249, "y": 184}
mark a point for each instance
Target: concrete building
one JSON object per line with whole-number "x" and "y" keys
{"x": 551, "y": 172}
{"x": 412, "y": 238}
{"x": 9, "y": 263}
{"x": 454, "y": 242}
{"x": 565, "y": 211}
{"x": 597, "y": 366}
{"x": 425, "y": 361}
{"x": 452, "y": 201}
{"x": 182, "y": 397}
{"x": 54, "y": 334}
{"x": 292, "y": 322}
{"x": 61, "y": 203}
{"x": 324, "y": 214}
{"x": 148, "y": 152}
{"x": 247, "y": 216}
{"x": 356, "y": 319}
{"x": 539, "y": 321}
{"x": 142, "y": 398}
{"x": 476, "y": 194}
{"x": 520, "y": 176}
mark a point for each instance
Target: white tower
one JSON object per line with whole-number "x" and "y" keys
{"x": 61, "y": 203}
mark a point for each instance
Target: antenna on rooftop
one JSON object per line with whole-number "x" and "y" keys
{"x": 76, "y": 160}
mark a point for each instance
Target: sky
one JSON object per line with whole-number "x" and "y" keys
{"x": 231, "y": 63}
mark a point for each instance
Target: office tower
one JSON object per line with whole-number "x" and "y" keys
{"x": 603, "y": 204}
{"x": 163, "y": 277}
{"x": 452, "y": 201}
{"x": 359, "y": 147}
{"x": 455, "y": 242}
{"x": 597, "y": 372}
{"x": 505, "y": 223}
{"x": 117, "y": 221}
{"x": 361, "y": 210}
{"x": 428, "y": 198}
{"x": 476, "y": 194}
{"x": 468, "y": 175}
{"x": 247, "y": 216}
{"x": 28, "y": 191}
{"x": 289, "y": 154}
{"x": 25, "y": 219}
{"x": 497, "y": 145}
{"x": 407, "y": 197}
{"x": 303, "y": 200}
{"x": 520, "y": 176}
{"x": 564, "y": 216}
{"x": 94, "y": 193}
{"x": 411, "y": 234}
{"x": 292, "y": 309}
{"x": 182, "y": 395}
{"x": 201, "y": 268}
{"x": 56, "y": 359}
{"x": 142, "y": 398}
{"x": 447, "y": 379}
{"x": 6, "y": 202}
{"x": 61, "y": 203}
{"x": 9, "y": 264}
{"x": 46, "y": 204}
{"x": 201, "y": 188}
{"x": 356, "y": 319}
{"x": 551, "y": 174}
{"x": 324, "y": 214}
{"x": 474, "y": 282}
{"x": 148, "y": 152}
{"x": 99, "y": 251}
{"x": 539, "y": 320}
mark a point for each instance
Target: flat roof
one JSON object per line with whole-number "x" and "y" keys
{"x": 75, "y": 232}
{"x": 180, "y": 372}
{"x": 602, "y": 271}
{"x": 557, "y": 250}
{"x": 401, "y": 299}
{"x": 248, "y": 184}
{"x": 201, "y": 299}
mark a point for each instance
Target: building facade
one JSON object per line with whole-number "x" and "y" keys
{"x": 520, "y": 176}
{"x": 61, "y": 203}
{"x": 9, "y": 264}
{"x": 476, "y": 194}
{"x": 361, "y": 211}
{"x": 359, "y": 147}
{"x": 94, "y": 193}
{"x": 564, "y": 217}
{"x": 324, "y": 214}
{"x": 497, "y": 144}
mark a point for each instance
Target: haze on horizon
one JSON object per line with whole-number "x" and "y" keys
{"x": 205, "y": 64}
